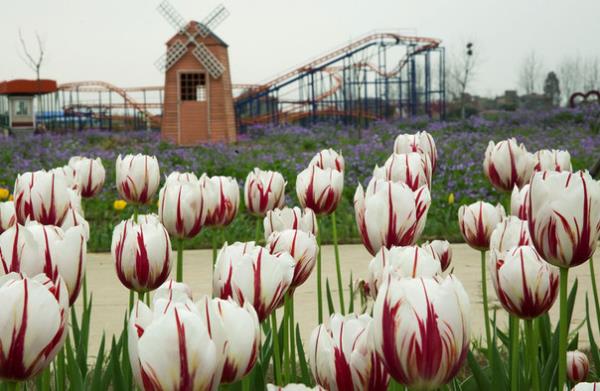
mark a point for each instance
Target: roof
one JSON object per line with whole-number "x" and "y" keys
{"x": 27, "y": 87}
{"x": 191, "y": 27}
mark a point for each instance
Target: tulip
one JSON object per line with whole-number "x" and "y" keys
{"x": 578, "y": 366}
{"x": 33, "y": 315}
{"x": 90, "y": 175}
{"x": 507, "y": 164}
{"x": 477, "y": 221}
{"x": 411, "y": 168}
{"x": 421, "y": 142}
{"x": 8, "y": 216}
{"x": 69, "y": 176}
{"x": 510, "y": 232}
{"x": 441, "y": 250}
{"x": 320, "y": 189}
{"x": 342, "y": 357}
{"x": 75, "y": 201}
{"x": 293, "y": 387}
{"x": 278, "y": 220}
{"x": 142, "y": 253}
{"x": 518, "y": 202}
{"x": 264, "y": 191}
{"x": 74, "y": 219}
{"x": 552, "y": 160}
{"x": 41, "y": 196}
{"x": 227, "y": 200}
{"x": 328, "y": 158}
{"x": 390, "y": 214}
{"x": 421, "y": 329}
{"x": 249, "y": 273}
{"x": 20, "y": 252}
{"x": 409, "y": 261}
{"x": 172, "y": 290}
{"x": 138, "y": 177}
{"x": 183, "y": 206}
{"x": 302, "y": 246}
{"x": 586, "y": 387}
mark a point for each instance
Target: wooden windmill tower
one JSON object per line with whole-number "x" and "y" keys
{"x": 198, "y": 102}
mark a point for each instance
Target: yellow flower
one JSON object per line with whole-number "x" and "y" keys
{"x": 4, "y": 194}
{"x": 451, "y": 198}
{"x": 119, "y": 204}
{"x": 11, "y": 198}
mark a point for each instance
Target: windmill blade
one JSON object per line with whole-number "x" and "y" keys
{"x": 210, "y": 62}
{"x": 171, "y": 15}
{"x": 167, "y": 60}
{"x": 212, "y": 20}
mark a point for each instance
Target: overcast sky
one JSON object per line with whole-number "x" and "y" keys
{"x": 119, "y": 40}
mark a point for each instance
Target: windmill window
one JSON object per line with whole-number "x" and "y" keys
{"x": 193, "y": 86}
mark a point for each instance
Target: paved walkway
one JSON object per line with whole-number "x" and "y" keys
{"x": 111, "y": 298}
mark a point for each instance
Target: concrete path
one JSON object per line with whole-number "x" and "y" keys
{"x": 110, "y": 298}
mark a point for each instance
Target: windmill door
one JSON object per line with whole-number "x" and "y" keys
{"x": 193, "y": 107}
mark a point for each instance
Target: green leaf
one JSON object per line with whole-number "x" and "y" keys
{"x": 98, "y": 367}
{"x": 329, "y": 298}
{"x": 351, "y": 298}
{"x": 593, "y": 346}
{"x": 482, "y": 380}
{"x": 117, "y": 381}
{"x": 302, "y": 359}
{"x": 76, "y": 381}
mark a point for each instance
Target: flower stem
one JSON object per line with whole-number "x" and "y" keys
{"x": 257, "y": 232}
{"x": 135, "y": 214}
{"x": 286, "y": 341}
{"x": 141, "y": 297}
{"x": 319, "y": 283}
{"x": 532, "y": 353}
{"x": 595, "y": 291}
{"x": 214, "y": 249}
{"x": 179, "y": 259}
{"x": 486, "y": 314}
{"x": 13, "y": 386}
{"x": 564, "y": 329}
{"x": 292, "y": 338}
{"x": 130, "y": 301}
{"x": 337, "y": 263}
{"x": 514, "y": 354}
{"x": 246, "y": 383}
{"x": 276, "y": 355}
{"x": 85, "y": 291}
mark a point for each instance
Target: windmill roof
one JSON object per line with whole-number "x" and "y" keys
{"x": 191, "y": 26}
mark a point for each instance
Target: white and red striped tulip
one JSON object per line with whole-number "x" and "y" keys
{"x": 564, "y": 216}
{"x": 278, "y": 220}
{"x": 65, "y": 254}
{"x": 578, "y": 366}
{"x": 75, "y": 201}
{"x": 552, "y": 160}
{"x": 420, "y": 142}
{"x": 74, "y": 219}
{"x": 328, "y": 158}
{"x": 142, "y": 253}
{"x": 293, "y": 387}
{"x": 586, "y": 387}
{"x": 34, "y": 319}
{"x": 421, "y": 329}
{"x": 401, "y": 262}
{"x": 477, "y": 221}
{"x": 249, "y": 273}
{"x": 300, "y": 245}
{"x": 412, "y": 168}
{"x": 390, "y": 214}
{"x": 508, "y": 164}
{"x": 8, "y": 216}
{"x": 41, "y": 196}
{"x": 518, "y": 202}
{"x": 320, "y": 189}
{"x": 227, "y": 200}
{"x": 525, "y": 284}
{"x": 240, "y": 335}
{"x": 138, "y": 177}
{"x": 440, "y": 249}
{"x": 510, "y": 232}
{"x": 342, "y": 358}
{"x": 90, "y": 175}
{"x": 67, "y": 173}
{"x": 264, "y": 191}
{"x": 172, "y": 290}
{"x": 20, "y": 252}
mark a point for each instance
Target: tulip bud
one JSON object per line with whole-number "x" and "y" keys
{"x": 226, "y": 200}
{"x": 390, "y": 214}
{"x": 586, "y": 387}
{"x": 507, "y": 164}
{"x": 249, "y": 273}
{"x": 264, "y": 191}
{"x": 341, "y": 355}
{"x": 293, "y": 387}
{"x": 400, "y": 262}
{"x": 142, "y": 253}
{"x": 302, "y": 246}
{"x": 328, "y": 158}
{"x": 477, "y": 221}
{"x": 578, "y": 366}
{"x": 8, "y": 216}
{"x": 441, "y": 250}
{"x": 74, "y": 219}
{"x": 421, "y": 142}
{"x": 68, "y": 176}
{"x": 278, "y": 220}
{"x": 518, "y": 202}
{"x": 90, "y": 175}
{"x": 564, "y": 216}
{"x": 411, "y": 168}
{"x": 183, "y": 206}
{"x": 138, "y": 177}
{"x": 552, "y": 160}
{"x": 510, "y": 232}
{"x": 421, "y": 329}
{"x": 33, "y": 315}
{"x": 41, "y": 196}
{"x": 320, "y": 189}
{"x": 20, "y": 252}
{"x": 172, "y": 290}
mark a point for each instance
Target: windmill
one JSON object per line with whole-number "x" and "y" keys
{"x": 194, "y": 51}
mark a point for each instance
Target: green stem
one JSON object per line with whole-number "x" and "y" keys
{"x": 60, "y": 369}
{"x": 564, "y": 329}
{"x": 595, "y": 291}
{"x": 319, "y": 282}
{"x": 486, "y": 315}
{"x": 532, "y": 353}
{"x": 292, "y": 338}
{"x": 246, "y": 382}
{"x": 214, "y": 249}
{"x": 13, "y": 386}
{"x": 130, "y": 301}
{"x": 514, "y": 353}
{"x": 276, "y": 355}
{"x": 257, "y": 232}
{"x": 141, "y": 297}
{"x": 286, "y": 341}
{"x": 337, "y": 263}
{"x": 179, "y": 259}
{"x": 85, "y": 291}
{"x": 135, "y": 214}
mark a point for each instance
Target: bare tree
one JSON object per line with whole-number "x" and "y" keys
{"x": 461, "y": 73}
{"x": 35, "y": 63}
{"x": 569, "y": 74}
{"x": 530, "y": 74}
{"x": 591, "y": 74}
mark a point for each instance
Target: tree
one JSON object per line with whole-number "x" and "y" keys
{"x": 461, "y": 74}
{"x": 530, "y": 73}
{"x": 591, "y": 74}
{"x": 35, "y": 63}
{"x": 552, "y": 89}
{"x": 569, "y": 73}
